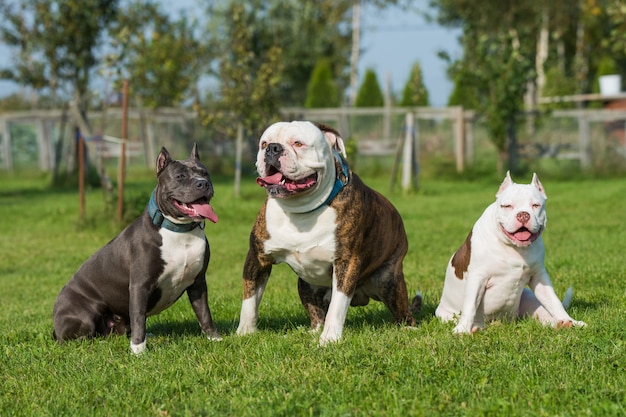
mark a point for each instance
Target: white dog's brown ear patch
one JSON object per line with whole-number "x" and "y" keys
{"x": 461, "y": 259}
{"x": 333, "y": 137}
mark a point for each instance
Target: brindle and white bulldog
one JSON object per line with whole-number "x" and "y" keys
{"x": 487, "y": 277}
{"x": 345, "y": 241}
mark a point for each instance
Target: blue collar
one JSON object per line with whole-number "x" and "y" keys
{"x": 341, "y": 181}
{"x": 160, "y": 221}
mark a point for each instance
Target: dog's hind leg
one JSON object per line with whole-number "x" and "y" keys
{"x": 393, "y": 293}
{"x": 315, "y": 301}
{"x": 73, "y": 327}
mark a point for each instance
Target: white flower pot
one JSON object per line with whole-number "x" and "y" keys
{"x": 610, "y": 84}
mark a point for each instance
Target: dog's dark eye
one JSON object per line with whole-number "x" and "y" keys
{"x": 180, "y": 177}
{"x": 536, "y": 205}
{"x": 298, "y": 144}
{"x": 506, "y": 206}
{"x": 263, "y": 145}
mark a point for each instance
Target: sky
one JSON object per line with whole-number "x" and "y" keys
{"x": 392, "y": 41}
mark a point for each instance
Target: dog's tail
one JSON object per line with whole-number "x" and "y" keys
{"x": 416, "y": 303}
{"x": 567, "y": 298}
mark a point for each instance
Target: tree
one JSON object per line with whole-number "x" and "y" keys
{"x": 498, "y": 40}
{"x": 249, "y": 80}
{"x": 616, "y": 40}
{"x": 56, "y": 42}
{"x": 304, "y": 32}
{"x": 162, "y": 57}
{"x": 463, "y": 93}
{"x": 415, "y": 93}
{"x": 322, "y": 90}
{"x": 370, "y": 94}
{"x": 558, "y": 84}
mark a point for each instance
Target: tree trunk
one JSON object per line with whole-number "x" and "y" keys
{"x": 502, "y": 157}
{"x": 513, "y": 155}
{"x": 580, "y": 63}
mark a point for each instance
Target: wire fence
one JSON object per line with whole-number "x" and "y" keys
{"x": 445, "y": 139}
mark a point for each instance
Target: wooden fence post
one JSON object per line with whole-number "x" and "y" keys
{"x": 459, "y": 136}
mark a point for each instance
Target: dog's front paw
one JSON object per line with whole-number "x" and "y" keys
{"x": 139, "y": 348}
{"x": 463, "y": 328}
{"x": 329, "y": 337}
{"x": 244, "y": 329}
{"x": 214, "y": 336}
{"x": 578, "y": 323}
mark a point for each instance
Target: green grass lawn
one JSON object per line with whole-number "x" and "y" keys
{"x": 510, "y": 369}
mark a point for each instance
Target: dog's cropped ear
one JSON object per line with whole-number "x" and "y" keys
{"x": 537, "y": 184}
{"x": 505, "y": 184}
{"x": 333, "y": 137}
{"x": 163, "y": 160}
{"x": 194, "y": 152}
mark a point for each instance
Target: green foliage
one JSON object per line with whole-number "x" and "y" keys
{"x": 606, "y": 66}
{"x": 415, "y": 92}
{"x": 616, "y": 41}
{"x": 57, "y": 42}
{"x": 162, "y": 58}
{"x": 463, "y": 95}
{"x": 558, "y": 84}
{"x": 499, "y": 40}
{"x": 322, "y": 90}
{"x": 369, "y": 94}
{"x": 248, "y": 87}
{"x": 504, "y": 76}
{"x": 514, "y": 369}
{"x": 304, "y": 32}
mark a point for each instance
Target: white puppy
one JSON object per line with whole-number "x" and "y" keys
{"x": 486, "y": 278}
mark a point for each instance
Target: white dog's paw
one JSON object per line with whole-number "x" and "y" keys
{"x": 461, "y": 329}
{"x": 464, "y": 329}
{"x": 139, "y": 348}
{"x": 329, "y": 337}
{"x": 567, "y": 324}
{"x": 244, "y": 329}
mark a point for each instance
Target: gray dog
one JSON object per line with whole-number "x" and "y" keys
{"x": 149, "y": 265}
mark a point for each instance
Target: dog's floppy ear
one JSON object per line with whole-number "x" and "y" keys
{"x": 507, "y": 181}
{"x": 194, "y": 152}
{"x": 163, "y": 160}
{"x": 537, "y": 184}
{"x": 333, "y": 137}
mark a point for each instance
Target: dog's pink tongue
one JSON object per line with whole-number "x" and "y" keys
{"x": 205, "y": 210}
{"x": 522, "y": 235}
{"x": 270, "y": 180}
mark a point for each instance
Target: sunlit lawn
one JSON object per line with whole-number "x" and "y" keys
{"x": 378, "y": 369}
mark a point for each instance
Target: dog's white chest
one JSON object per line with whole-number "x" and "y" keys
{"x": 183, "y": 255}
{"x": 306, "y": 242}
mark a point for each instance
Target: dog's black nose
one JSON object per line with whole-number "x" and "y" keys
{"x": 274, "y": 149}
{"x": 202, "y": 184}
